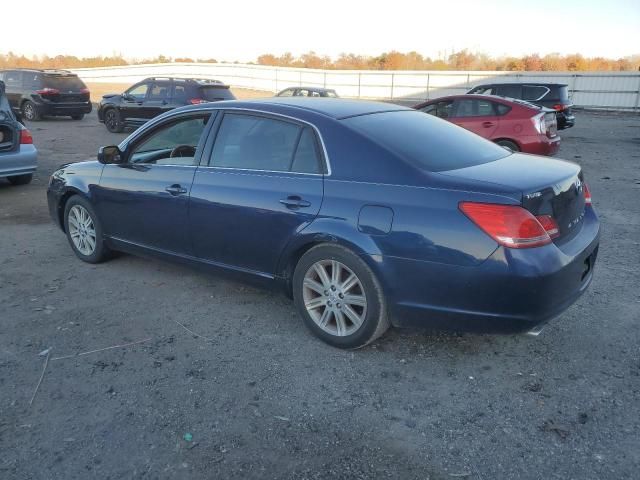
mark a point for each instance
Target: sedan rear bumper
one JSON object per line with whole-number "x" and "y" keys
{"x": 513, "y": 291}
{"x": 64, "y": 108}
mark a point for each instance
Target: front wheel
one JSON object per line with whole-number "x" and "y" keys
{"x": 339, "y": 297}
{"x": 20, "y": 179}
{"x": 84, "y": 231}
{"x": 112, "y": 121}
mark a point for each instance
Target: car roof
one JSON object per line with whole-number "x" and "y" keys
{"x": 337, "y": 108}
{"x": 542, "y": 84}
{"x": 313, "y": 89}
{"x": 203, "y": 82}
{"x": 47, "y": 71}
{"x": 497, "y": 98}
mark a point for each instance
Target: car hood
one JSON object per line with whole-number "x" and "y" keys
{"x": 82, "y": 167}
{"x": 110, "y": 95}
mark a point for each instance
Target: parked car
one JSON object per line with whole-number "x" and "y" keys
{"x": 307, "y": 92}
{"x": 549, "y": 95}
{"x": 365, "y": 213}
{"x": 18, "y": 156}
{"x": 515, "y": 124}
{"x": 37, "y": 93}
{"x": 154, "y": 96}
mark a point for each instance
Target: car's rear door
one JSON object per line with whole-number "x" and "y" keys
{"x": 476, "y": 115}
{"x": 144, "y": 201}
{"x": 261, "y": 184}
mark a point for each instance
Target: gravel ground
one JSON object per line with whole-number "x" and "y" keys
{"x": 261, "y": 398}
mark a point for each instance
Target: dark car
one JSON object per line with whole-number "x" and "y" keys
{"x": 154, "y": 96}
{"x": 18, "y": 155}
{"x": 518, "y": 125}
{"x": 39, "y": 93}
{"x": 367, "y": 214}
{"x": 549, "y": 95}
{"x": 307, "y": 92}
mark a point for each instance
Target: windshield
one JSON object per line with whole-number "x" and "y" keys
{"x": 64, "y": 83}
{"x": 426, "y": 141}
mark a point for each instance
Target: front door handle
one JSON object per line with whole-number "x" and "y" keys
{"x": 294, "y": 202}
{"x": 176, "y": 189}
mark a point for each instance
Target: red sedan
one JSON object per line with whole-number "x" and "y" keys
{"x": 518, "y": 125}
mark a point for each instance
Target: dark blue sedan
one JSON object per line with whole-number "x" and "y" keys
{"x": 367, "y": 214}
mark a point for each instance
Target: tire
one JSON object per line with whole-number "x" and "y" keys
{"x": 76, "y": 211}
{"x": 509, "y": 144}
{"x": 77, "y": 117}
{"x": 30, "y": 111}
{"x": 112, "y": 120}
{"x": 21, "y": 179}
{"x": 329, "y": 312}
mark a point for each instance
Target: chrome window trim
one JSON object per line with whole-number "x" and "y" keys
{"x": 327, "y": 162}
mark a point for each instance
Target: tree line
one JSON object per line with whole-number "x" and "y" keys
{"x": 461, "y": 60}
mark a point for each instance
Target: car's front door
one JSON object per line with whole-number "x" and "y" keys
{"x": 157, "y": 101}
{"x": 262, "y": 183}
{"x": 131, "y": 108}
{"x": 476, "y": 115}
{"x": 144, "y": 201}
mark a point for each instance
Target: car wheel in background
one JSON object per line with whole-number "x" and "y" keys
{"x": 112, "y": 121}
{"x": 78, "y": 117}
{"x": 30, "y": 111}
{"x": 339, "y": 297}
{"x": 84, "y": 231}
{"x": 21, "y": 179}
{"x": 508, "y": 144}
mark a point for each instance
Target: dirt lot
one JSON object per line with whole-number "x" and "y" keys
{"x": 261, "y": 398}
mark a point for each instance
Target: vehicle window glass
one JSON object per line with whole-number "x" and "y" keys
{"x": 474, "y": 108}
{"x": 439, "y": 109}
{"x": 286, "y": 93}
{"x": 332, "y": 94}
{"x": 158, "y": 91}
{"x": 32, "y": 80}
{"x": 179, "y": 93}
{"x": 300, "y": 93}
{"x": 501, "y": 108}
{"x": 13, "y": 78}
{"x": 483, "y": 91}
{"x": 531, "y": 92}
{"x": 214, "y": 94}
{"x": 139, "y": 92}
{"x": 306, "y": 159}
{"x": 256, "y": 143}
{"x": 512, "y": 91}
{"x": 174, "y": 143}
{"x": 65, "y": 83}
{"x": 426, "y": 142}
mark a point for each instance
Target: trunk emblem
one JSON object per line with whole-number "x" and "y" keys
{"x": 533, "y": 195}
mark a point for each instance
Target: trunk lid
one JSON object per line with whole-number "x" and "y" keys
{"x": 548, "y": 187}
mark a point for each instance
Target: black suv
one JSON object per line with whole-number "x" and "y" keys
{"x": 550, "y": 95}
{"x": 154, "y": 96}
{"x": 36, "y": 93}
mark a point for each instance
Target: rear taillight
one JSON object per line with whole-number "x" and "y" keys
{"x": 587, "y": 193}
{"x": 25, "y": 137}
{"x": 559, "y": 107}
{"x": 549, "y": 224}
{"x": 48, "y": 91}
{"x": 539, "y": 123}
{"x": 510, "y": 225}
{"x": 197, "y": 101}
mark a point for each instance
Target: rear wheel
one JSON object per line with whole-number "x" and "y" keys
{"x": 78, "y": 117}
{"x": 339, "y": 297}
{"x": 508, "y": 144}
{"x": 112, "y": 121}
{"x": 21, "y": 179}
{"x": 84, "y": 231}
{"x": 30, "y": 111}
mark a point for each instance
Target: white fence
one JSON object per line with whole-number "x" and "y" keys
{"x": 610, "y": 90}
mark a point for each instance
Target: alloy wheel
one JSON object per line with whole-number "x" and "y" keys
{"x": 82, "y": 230}
{"x": 334, "y": 297}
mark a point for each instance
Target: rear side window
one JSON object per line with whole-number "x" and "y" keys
{"x": 179, "y": 93}
{"x": 425, "y": 141}
{"x": 474, "y": 108}
{"x": 534, "y": 92}
{"x": 65, "y": 83}
{"x": 512, "y": 91}
{"x": 159, "y": 91}
{"x": 214, "y": 94}
{"x": 501, "y": 108}
{"x": 307, "y": 156}
{"x": 255, "y": 143}
{"x": 13, "y": 79}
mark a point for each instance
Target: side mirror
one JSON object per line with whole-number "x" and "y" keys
{"x": 128, "y": 98}
{"x": 109, "y": 155}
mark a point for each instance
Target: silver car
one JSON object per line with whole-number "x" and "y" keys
{"x": 18, "y": 155}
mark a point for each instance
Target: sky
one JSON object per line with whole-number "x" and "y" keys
{"x": 241, "y": 30}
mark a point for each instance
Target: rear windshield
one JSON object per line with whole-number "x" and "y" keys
{"x": 558, "y": 93}
{"x": 426, "y": 141}
{"x": 63, "y": 82}
{"x": 213, "y": 94}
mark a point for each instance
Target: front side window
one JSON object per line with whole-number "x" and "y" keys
{"x": 286, "y": 93}
{"x": 174, "y": 143}
{"x": 260, "y": 143}
{"x": 139, "y": 92}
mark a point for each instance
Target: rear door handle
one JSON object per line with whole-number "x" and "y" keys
{"x": 294, "y": 202}
{"x": 176, "y": 189}
{"x": 487, "y": 124}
